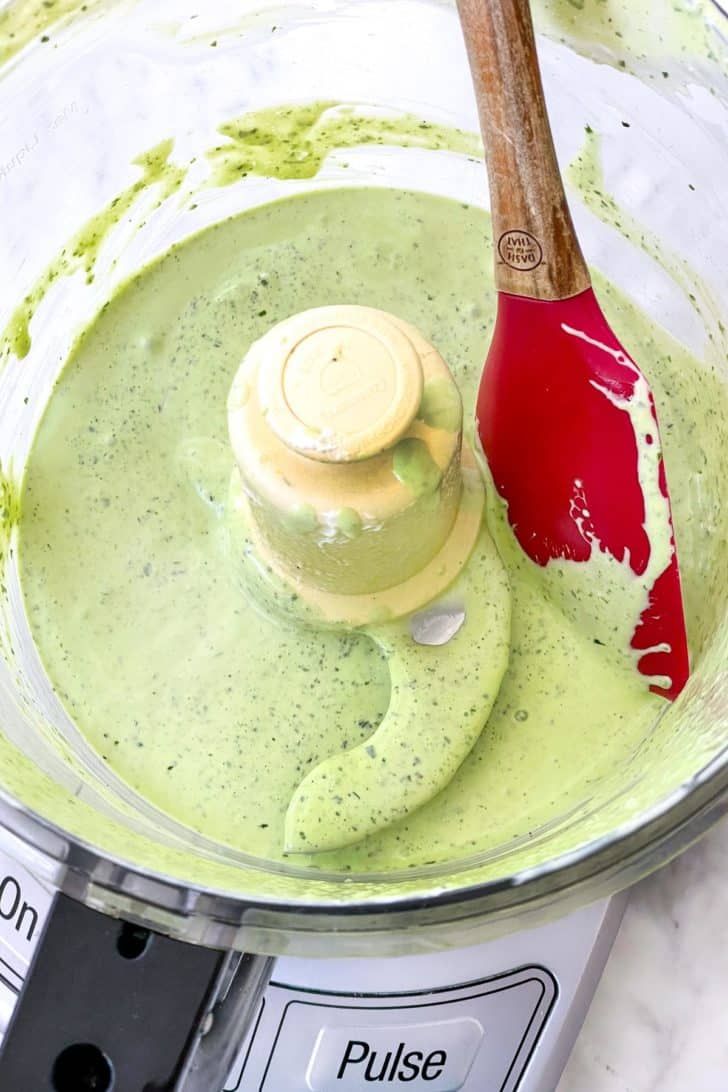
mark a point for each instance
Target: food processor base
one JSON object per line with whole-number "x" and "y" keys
{"x": 494, "y": 1017}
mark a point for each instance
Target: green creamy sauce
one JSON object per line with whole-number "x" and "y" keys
{"x": 214, "y": 711}
{"x": 23, "y": 20}
{"x": 670, "y": 26}
{"x": 9, "y": 512}
{"x": 440, "y": 406}
{"x": 82, "y": 250}
{"x": 292, "y": 142}
{"x": 666, "y": 29}
{"x": 284, "y": 142}
{"x": 414, "y": 467}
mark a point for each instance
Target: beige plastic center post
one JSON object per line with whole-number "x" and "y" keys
{"x": 342, "y": 384}
{"x": 346, "y": 426}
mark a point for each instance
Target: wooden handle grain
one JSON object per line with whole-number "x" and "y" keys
{"x": 537, "y": 253}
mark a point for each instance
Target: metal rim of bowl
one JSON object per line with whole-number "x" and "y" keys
{"x": 217, "y": 919}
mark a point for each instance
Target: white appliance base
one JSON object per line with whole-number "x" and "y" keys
{"x": 498, "y": 1017}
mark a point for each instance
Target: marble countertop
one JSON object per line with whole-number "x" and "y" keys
{"x": 658, "y": 1020}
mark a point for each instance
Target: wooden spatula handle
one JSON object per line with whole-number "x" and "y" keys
{"x": 537, "y": 253}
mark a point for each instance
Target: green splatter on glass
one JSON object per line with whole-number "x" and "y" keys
{"x": 292, "y": 142}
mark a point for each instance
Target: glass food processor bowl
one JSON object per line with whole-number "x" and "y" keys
{"x": 85, "y": 90}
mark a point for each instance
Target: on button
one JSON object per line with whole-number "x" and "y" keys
{"x": 435, "y": 1056}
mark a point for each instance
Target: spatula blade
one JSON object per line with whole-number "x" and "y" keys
{"x": 569, "y": 428}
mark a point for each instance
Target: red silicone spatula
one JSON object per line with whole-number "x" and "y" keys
{"x": 565, "y": 416}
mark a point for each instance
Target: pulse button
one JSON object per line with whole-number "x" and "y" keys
{"x": 436, "y": 1056}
